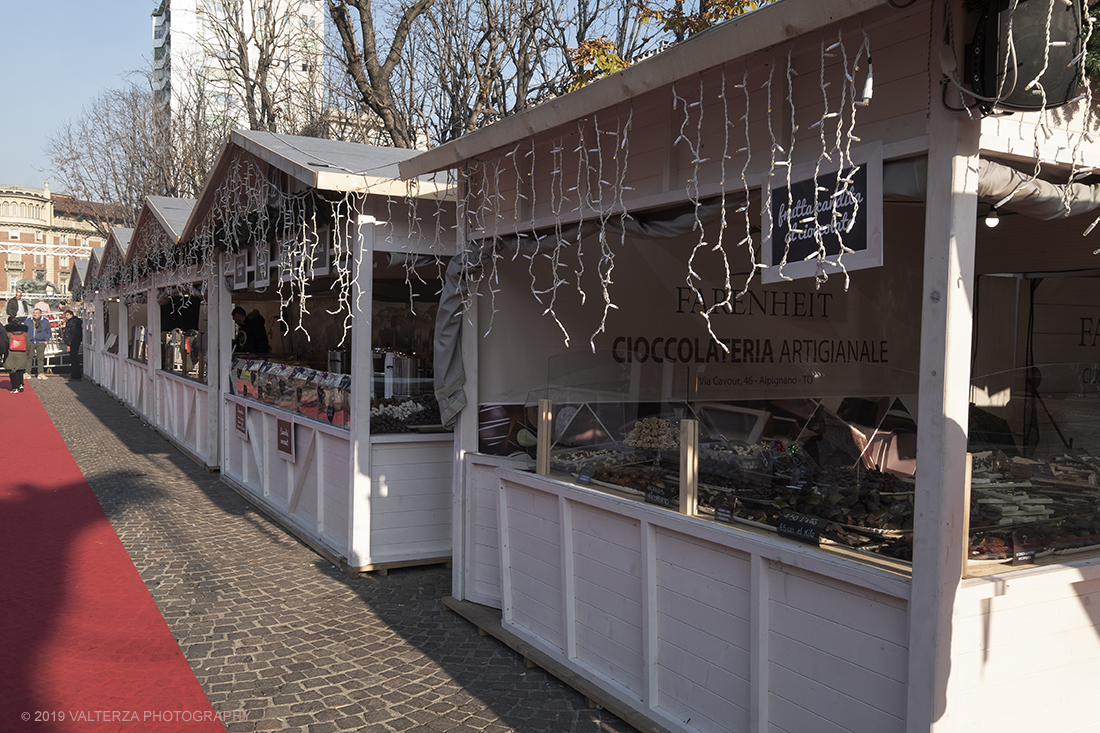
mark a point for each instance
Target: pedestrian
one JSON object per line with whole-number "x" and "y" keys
{"x": 4, "y": 348}
{"x": 251, "y": 332}
{"x": 39, "y": 334}
{"x": 73, "y": 335}
{"x": 17, "y": 306}
{"x": 16, "y": 360}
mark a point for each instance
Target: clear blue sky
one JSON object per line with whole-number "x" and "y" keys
{"x": 59, "y": 55}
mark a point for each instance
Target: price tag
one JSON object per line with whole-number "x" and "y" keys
{"x": 1021, "y": 553}
{"x": 585, "y": 476}
{"x": 663, "y": 495}
{"x": 724, "y": 509}
{"x": 1042, "y": 470}
{"x": 801, "y": 527}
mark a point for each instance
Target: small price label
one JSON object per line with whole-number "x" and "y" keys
{"x": 1022, "y": 552}
{"x": 801, "y": 527}
{"x": 1042, "y": 470}
{"x": 662, "y": 495}
{"x": 585, "y": 476}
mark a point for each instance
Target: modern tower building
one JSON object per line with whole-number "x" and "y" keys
{"x": 250, "y": 63}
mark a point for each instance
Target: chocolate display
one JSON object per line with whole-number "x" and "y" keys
{"x": 314, "y": 394}
{"x": 394, "y": 415}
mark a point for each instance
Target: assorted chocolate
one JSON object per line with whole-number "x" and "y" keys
{"x": 1020, "y": 508}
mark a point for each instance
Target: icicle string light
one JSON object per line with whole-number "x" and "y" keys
{"x": 695, "y": 146}
{"x": 754, "y": 265}
{"x": 584, "y": 201}
{"x": 789, "y": 163}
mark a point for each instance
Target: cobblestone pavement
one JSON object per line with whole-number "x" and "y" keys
{"x": 273, "y": 630}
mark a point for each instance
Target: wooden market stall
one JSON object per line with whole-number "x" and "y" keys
{"x": 169, "y": 330}
{"x": 110, "y": 352}
{"x": 325, "y": 403}
{"x": 91, "y": 311}
{"x": 722, "y": 479}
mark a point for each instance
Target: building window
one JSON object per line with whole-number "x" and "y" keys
{"x": 5, "y": 211}
{"x": 13, "y": 234}
{"x": 38, "y": 237}
{"x": 64, "y": 240}
{"x": 39, "y": 260}
{"x": 64, "y": 260}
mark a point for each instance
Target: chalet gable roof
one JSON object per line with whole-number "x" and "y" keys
{"x": 159, "y": 225}
{"x": 115, "y": 250}
{"x": 323, "y": 165}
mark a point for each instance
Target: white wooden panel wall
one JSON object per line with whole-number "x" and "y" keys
{"x": 836, "y": 650}
{"x": 531, "y": 564}
{"x": 1028, "y": 659}
{"x": 701, "y": 627}
{"x": 306, "y": 493}
{"x": 481, "y": 556}
{"x": 108, "y": 378}
{"x": 336, "y": 455}
{"x": 182, "y": 408}
{"x": 606, "y": 561}
{"x": 701, "y": 674}
{"x": 136, "y": 386}
{"x": 410, "y": 505}
{"x": 1017, "y": 136}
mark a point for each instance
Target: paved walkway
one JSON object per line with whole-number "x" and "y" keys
{"x": 278, "y": 638}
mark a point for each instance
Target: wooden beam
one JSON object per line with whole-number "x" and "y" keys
{"x": 940, "y": 509}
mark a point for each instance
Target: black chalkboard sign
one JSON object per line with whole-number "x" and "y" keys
{"x": 662, "y": 494}
{"x": 801, "y": 527}
{"x": 585, "y": 476}
{"x": 1042, "y": 470}
{"x": 801, "y": 216}
{"x": 1023, "y": 553}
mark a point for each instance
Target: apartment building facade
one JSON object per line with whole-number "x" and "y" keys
{"x": 41, "y": 235}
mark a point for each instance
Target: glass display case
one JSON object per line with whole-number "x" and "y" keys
{"x": 308, "y": 392}
{"x": 823, "y": 456}
{"x": 1035, "y": 445}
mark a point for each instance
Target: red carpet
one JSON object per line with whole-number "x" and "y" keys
{"x": 82, "y": 644}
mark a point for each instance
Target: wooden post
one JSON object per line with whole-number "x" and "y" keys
{"x": 946, "y": 321}
{"x": 219, "y": 355}
{"x": 120, "y": 385}
{"x": 966, "y": 515}
{"x": 545, "y": 437}
{"x": 689, "y": 466}
{"x": 362, "y": 372}
{"x": 466, "y": 426}
{"x": 153, "y": 356}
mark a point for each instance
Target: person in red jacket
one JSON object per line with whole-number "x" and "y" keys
{"x": 16, "y": 360}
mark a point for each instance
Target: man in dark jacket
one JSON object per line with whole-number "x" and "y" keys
{"x": 17, "y": 306}
{"x": 73, "y": 335}
{"x": 252, "y": 333}
{"x": 39, "y": 334}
